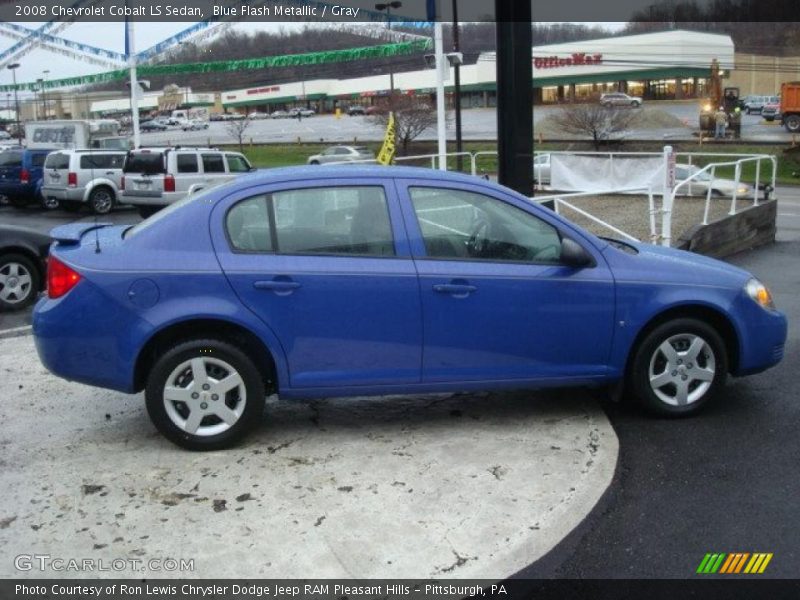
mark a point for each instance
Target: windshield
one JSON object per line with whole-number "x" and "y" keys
{"x": 175, "y": 206}
{"x": 10, "y": 159}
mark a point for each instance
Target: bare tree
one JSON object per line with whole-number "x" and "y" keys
{"x": 412, "y": 117}
{"x": 599, "y": 122}
{"x": 236, "y": 130}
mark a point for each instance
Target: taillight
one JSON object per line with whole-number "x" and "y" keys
{"x": 72, "y": 179}
{"x": 122, "y": 183}
{"x": 169, "y": 183}
{"x": 24, "y": 176}
{"x": 60, "y": 278}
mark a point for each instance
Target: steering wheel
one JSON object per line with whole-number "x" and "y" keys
{"x": 478, "y": 242}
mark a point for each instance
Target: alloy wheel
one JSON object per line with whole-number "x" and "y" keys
{"x": 682, "y": 369}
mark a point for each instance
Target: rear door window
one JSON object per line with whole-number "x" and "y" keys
{"x": 213, "y": 163}
{"x": 237, "y": 163}
{"x": 187, "y": 163}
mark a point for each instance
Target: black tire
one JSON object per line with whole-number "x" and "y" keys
{"x": 711, "y": 361}
{"x": 635, "y": 104}
{"x": 15, "y": 294}
{"x": 314, "y": 162}
{"x": 163, "y": 373}
{"x": 148, "y": 211}
{"x": 71, "y": 206}
{"x": 18, "y": 201}
{"x": 101, "y": 200}
{"x": 792, "y": 123}
{"x": 50, "y": 203}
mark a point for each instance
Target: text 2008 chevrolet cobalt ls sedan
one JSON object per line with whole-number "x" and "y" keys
{"x": 376, "y": 280}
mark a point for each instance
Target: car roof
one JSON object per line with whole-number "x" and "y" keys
{"x": 307, "y": 172}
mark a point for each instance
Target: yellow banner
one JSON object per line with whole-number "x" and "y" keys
{"x": 386, "y": 155}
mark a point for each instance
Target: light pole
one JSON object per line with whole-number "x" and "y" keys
{"x": 40, "y": 86}
{"x": 388, "y": 6}
{"x": 457, "y": 72}
{"x": 13, "y": 67}
{"x": 44, "y": 92}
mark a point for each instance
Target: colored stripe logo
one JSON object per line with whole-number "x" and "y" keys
{"x": 734, "y": 563}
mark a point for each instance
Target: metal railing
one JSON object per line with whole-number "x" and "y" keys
{"x": 558, "y": 202}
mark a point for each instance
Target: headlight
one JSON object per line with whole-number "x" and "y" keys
{"x": 759, "y": 293}
{"x": 743, "y": 190}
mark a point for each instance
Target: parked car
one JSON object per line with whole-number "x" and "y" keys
{"x": 701, "y": 183}
{"x": 152, "y": 178}
{"x": 303, "y": 112}
{"x": 165, "y": 121}
{"x": 257, "y": 115}
{"x": 771, "y": 110}
{"x": 194, "y": 125}
{"x": 4, "y": 135}
{"x": 22, "y": 266}
{"x": 21, "y": 176}
{"x": 365, "y": 280}
{"x": 355, "y": 110}
{"x": 279, "y": 114}
{"x": 339, "y": 154}
{"x": 77, "y": 178}
{"x": 148, "y": 126}
{"x": 374, "y": 110}
{"x": 620, "y": 99}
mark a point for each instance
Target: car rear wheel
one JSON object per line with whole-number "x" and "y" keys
{"x": 314, "y": 162}
{"x": 678, "y": 367}
{"x": 20, "y": 281}
{"x": 148, "y": 211}
{"x": 205, "y": 394}
{"x": 792, "y": 123}
{"x": 101, "y": 200}
{"x": 50, "y": 203}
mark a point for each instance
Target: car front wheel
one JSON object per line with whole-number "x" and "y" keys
{"x": 204, "y": 394}
{"x": 678, "y": 367}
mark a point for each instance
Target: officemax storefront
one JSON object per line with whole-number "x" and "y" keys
{"x": 656, "y": 66}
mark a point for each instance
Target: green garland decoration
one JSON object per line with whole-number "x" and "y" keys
{"x": 289, "y": 60}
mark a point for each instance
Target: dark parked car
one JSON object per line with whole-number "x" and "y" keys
{"x": 152, "y": 126}
{"x": 356, "y": 110}
{"x": 22, "y": 266}
{"x": 21, "y": 172}
{"x": 310, "y": 282}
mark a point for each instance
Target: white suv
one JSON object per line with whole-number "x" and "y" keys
{"x": 156, "y": 177}
{"x": 73, "y": 178}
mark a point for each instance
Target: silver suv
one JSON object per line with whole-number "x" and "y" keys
{"x": 156, "y": 177}
{"x": 74, "y": 178}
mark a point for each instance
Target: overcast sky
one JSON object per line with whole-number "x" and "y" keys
{"x": 110, "y": 36}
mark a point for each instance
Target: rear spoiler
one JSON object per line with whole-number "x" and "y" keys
{"x": 66, "y": 235}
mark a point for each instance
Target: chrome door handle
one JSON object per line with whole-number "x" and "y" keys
{"x": 456, "y": 289}
{"x": 278, "y": 286}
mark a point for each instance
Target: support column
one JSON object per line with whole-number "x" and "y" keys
{"x": 514, "y": 95}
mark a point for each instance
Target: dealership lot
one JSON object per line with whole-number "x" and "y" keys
{"x": 440, "y": 486}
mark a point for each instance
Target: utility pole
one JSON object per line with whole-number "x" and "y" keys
{"x": 457, "y": 73}
{"x": 129, "y": 50}
{"x": 13, "y": 67}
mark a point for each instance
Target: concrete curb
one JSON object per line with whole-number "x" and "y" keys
{"x": 16, "y": 332}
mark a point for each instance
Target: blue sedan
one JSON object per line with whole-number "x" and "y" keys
{"x": 373, "y": 280}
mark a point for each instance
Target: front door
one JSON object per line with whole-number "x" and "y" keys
{"x": 497, "y": 304}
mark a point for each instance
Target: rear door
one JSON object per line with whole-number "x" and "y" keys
{"x": 326, "y": 266}
{"x": 10, "y": 168}
{"x": 56, "y": 169}
{"x": 100, "y": 165}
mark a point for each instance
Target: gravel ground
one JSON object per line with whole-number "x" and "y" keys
{"x": 631, "y": 213}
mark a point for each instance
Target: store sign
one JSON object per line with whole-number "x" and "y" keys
{"x": 263, "y": 90}
{"x": 576, "y": 59}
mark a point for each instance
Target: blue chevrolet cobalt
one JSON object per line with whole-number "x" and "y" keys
{"x": 310, "y": 282}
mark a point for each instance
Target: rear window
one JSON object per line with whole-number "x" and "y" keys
{"x": 102, "y": 161}
{"x": 144, "y": 162}
{"x": 57, "y": 161}
{"x": 37, "y": 160}
{"x": 10, "y": 159}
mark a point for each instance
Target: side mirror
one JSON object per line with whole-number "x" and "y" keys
{"x": 573, "y": 254}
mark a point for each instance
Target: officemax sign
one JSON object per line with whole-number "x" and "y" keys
{"x": 576, "y": 59}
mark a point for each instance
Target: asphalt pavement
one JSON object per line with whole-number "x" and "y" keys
{"x": 727, "y": 480}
